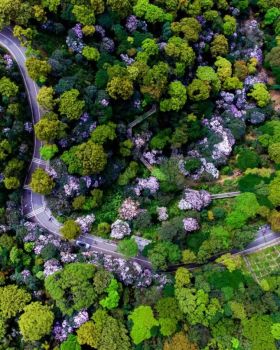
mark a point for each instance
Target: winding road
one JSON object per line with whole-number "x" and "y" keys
{"x": 33, "y": 204}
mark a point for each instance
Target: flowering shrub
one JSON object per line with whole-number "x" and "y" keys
{"x": 85, "y": 222}
{"x": 151, "y": 184}
{"x": 190, "y": 224}
{"x": 129, "y": 209}
{"x": 195, "y": 200}
{"x": 120, "y": 229}
{"x": 162, "y": 213}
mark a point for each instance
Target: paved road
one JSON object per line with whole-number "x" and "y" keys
{"x": 34, "y": 205}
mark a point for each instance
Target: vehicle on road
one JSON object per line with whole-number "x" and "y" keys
{"x": 82, "y": 244}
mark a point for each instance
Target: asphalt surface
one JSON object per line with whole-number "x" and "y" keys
{"x": 33, "y": 204}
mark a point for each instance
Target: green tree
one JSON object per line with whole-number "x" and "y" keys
{"x": 13, "y": 300}
{"x": 168, "y": 315}
{"x": 37, "y": 69}
{"x": 70, "y": 105}
{"x": 120, "y": 87}
{"x": 104, "y": 333}
{"x": 164, "y": 253}
{"x": 179, "y": 49}
{"x": 232, "y": 83}
{"x": 199, "y": 90}
{"x": 71, "y": 343}
{"x": 274, "y": 191}
{"x": 274, "y": 152}
{"x": 41, "y": 182}
{"x": 155, "y": 80}
{"x": 271, "y": 15}
{"x": 189, "y": 26}
{"x": 128, "y": 247}
{"x": 113, "y": 297}
{"x": 102, "y": 280}
{"x": 224, "y": 68}
{"x": 196, "y": 305}
{"x": 219, "y": 46}
{"x": 229, "y": 25}
{"x": 87, "y": 334}
{"x": 178, "y": 97}
{"x": 143, "y": 321}
{"x": 36, "y": 321}
{"x": 257, "y": 330}
{"x": 7, "y": 87}
{"x": 72, "y": 287}
{"x": 245, "y": 207}
{"x": 98, "y": 6}
{"x": 70, "y": 229}
{"x": 260, "y": 94}
{"x": 150, "y": 12}
{"x": 11, "y": 183}
{"x": 275, "y": 330}
{"x": 85, "y": 159}
{"x": 84, "y": 14}
{"x": 49, "y": 129}
{"x": 103, "y": 133}
{"x": 45, "y": 98}
{"x": 5, "y": 149}
{"x": 122, "y": 8}
{"x": 9, "y": 10}
{"x": 47, "y": 152}
{"x": 247, "y": 158}
{"x": 126, "y": 148}
{"x": 91, "y": 53}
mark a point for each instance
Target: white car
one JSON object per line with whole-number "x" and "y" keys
{"x": 82, "y": 244}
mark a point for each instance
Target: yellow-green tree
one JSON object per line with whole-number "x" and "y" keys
{"x": 41, "y": 182}
{"x": 36, "y": 321}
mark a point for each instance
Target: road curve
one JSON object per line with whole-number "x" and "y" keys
{"x": 34, "y": 205}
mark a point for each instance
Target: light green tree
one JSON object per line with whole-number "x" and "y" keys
{"x": 7, "y": 87}
{"x": 36, "y": 321}
{"x": 120, "y": 87}
{"x": 91, "y": 53}
{"x": 11, "y": 183}
{"x": 9, "y": 10}
{"x": 143, "y": 321}
{"x": 103, "y": 133}
{"x": 37, "y": 69}
{"x": 84, "y": 14}
{"x": 45, "y": 98}
{"x": 70, "y": 105}
{"x": 70, "y": 229}
{"x": 47, "y": 152}
{"x": 41, "y": 182}
{"x": 219, "y": 46}
{"x": 12, "y": 300}
{"x": 178, "y": 97}
{"x": 260, "y": 94}
{"x": 49, "y": 129}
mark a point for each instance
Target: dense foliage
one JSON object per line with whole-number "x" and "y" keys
{"x": 148, "y": 108}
